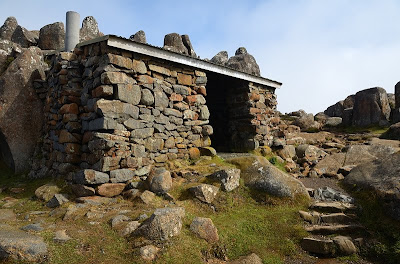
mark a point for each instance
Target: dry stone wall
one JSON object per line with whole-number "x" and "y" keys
{"x": 111, "y": 115}
{"x": 253, "y": 116}
{"x": 107, "y": 110}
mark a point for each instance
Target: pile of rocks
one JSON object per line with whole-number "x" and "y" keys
{"x": 242, "y": 61}
{"x": 367, "y": 107}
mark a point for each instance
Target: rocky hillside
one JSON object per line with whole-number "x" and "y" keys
{"x": 326, "y": 188}
{"x": 231, "y": 208}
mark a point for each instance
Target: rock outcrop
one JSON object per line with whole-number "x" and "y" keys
{"x": 139, "y": 36}
{"x": 19, "y": 106}
{"x": 24, "y": 37}
{"x": 381, "y": 177}
{"x": 179, "y": 44}
{"x": 51, "y": 37}
{"x": 244, "y": 62}
{"x": 21, "y": 246}
{"x": 220, "y": 58}
{"x": 89, "y": 30}
{"x": 371, "y": 107}
{"x": 8, "y": 28}
{"x": 260, "y": 174}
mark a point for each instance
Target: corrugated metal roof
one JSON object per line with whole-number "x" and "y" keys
{"x": 157, "y": 52}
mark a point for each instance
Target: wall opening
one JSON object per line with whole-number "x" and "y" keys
{"x": 6, "y": 158}
{"x": 221, "y": 102}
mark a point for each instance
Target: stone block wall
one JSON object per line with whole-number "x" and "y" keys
{"x": 111, "y": 115}
{"x": 253, "y": 116}
{"x": 108, "y": 109}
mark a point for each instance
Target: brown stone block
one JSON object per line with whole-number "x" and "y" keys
{"x": 199, "y": 73}
{"x": 181, "y": 146}
{"x": 255, "y": 96}
{"x": 262, "y": 130}
{"x": 194, "y": 153}
{"x": 176, "y": 97}
{"x": 116, "y": 78}
{"x": 66, "y": 137}
{"x": 159, "y": 69}
{"x": 69, "y": 118}
{"x": 119, "y": 61}
{"x": 202, "y": 90}
{"x": 260, "y": 117}
{"x": 110, "y": 189}
{"x": 145, "y": 79}
{"x": 185, "y": 79}
{"x": 161, "y": 158}
{"x": 158, "y": 76}
{"x": 181, "y": 106}
{"x": 255, "y": 110}
{"x": 139, "y": 66}
{"x": 69, "y": 109}
{"x": 196, "y": 99}
{"x": 103, "y": 91}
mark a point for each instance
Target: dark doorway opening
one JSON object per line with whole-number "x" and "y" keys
{"x": 221, "y": 102}
{"x": 6, "y": 158}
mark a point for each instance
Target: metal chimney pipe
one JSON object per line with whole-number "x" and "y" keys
{"x": 72, "y": 30}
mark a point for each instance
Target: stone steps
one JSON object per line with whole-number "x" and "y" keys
{"x": 333, "y": 207}
{"x": 334, "y": 229}
{"x": 332, "y": 219}
{"x": 337, "y": 246}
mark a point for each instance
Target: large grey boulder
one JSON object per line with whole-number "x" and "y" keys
{"x": 244, "y": 62}
{"x": 163, "y": 224}
{"x": 309, "y": 152}
{"x": 357, "y": 154}
{"x": 20, "y": 105}
{"x": 204, "y": 228}
{"x": 173, "y": 42}
{"x": 205, "y": 192}
{"x": 8, "y": 28}
{"x": 47, "y": 191}
{"x": 381, "y": 176}
{"x": 349, "y": 101}
{"x": 89, "y": 176}
{"x": 371, "y": 107}
{"x": 24, "y": 37}
{"x": 333, "y": 121}
{"x": 188, "y": 44}
{"x": 21, "y": 246}
{"x": 89, "y": 29}
{"x": 393, "y": 132}
{"x": 139, "y": 36}
{"x": 159, "y": 180}
{"x": 51, "y": 37}
{"x": 335, "y": 110}
{"x": 305, "y": 121}
{"x": 229, "y": 178}
{"x": 220, "y": 58}
{"x": 331, "y": 163}
{"x": 260, "y": 174}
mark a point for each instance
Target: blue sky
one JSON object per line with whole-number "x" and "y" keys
{"x": 321, "y": 51}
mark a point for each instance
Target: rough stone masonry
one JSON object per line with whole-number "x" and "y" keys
{"x": 111, "y": 115}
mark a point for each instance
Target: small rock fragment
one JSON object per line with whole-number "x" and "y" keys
{"x": 57, "y": 200}
{"x": 205, "y": 192}
{"x": 204, "y": 228}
